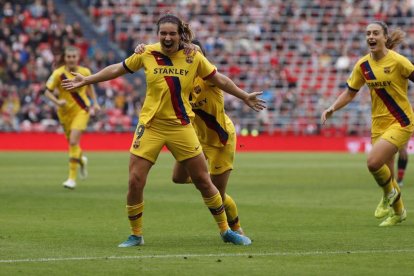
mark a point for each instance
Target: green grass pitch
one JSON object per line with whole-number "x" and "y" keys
{"x": 307, "y": 214}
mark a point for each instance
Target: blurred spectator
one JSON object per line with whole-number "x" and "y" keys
{"x": 298, "y": 52}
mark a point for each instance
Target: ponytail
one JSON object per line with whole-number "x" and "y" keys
{"x": 395, "y": 37}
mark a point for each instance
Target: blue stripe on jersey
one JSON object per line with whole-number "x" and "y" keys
{"x": 211, "y": 123}
{"x": 162, "y": 59}
{"x": 174, "y": 86}
{"x": 367, "y": 71}
{"x": 76, "y": 97}
{"x": 393, "y": 107}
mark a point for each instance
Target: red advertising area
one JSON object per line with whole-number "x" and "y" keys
{"x": 122, "y": 141}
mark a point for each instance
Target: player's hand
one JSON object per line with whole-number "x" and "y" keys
{"x": 254, "y": 102}
{"x": 140, "y": 49}
{"x": 76, "y": 82}
{"x": 326, "y": 114}
{"x": 190, "y": 49}
{"x": 95, "y": 109}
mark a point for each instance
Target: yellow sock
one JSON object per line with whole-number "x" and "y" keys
{"x": 398, "y": 205}
{"x": 74, "y": 160}
{"x": 135, "y": 218}
{"x": 215, "y": 205}
{"x": 383, "y": 178}
{"x": 231, "y": 212}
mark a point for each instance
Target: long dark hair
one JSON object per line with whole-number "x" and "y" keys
{"x": 186, "y": 35}
{"x": 198, "y": 43}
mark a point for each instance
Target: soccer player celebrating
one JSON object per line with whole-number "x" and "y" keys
{"x": 217, "y": 136}
{"x": 165, "y": 119}
{"x": 386, "y": 74}
{"x": 73, "y": 109}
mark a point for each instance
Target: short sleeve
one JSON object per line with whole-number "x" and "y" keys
{"x": 53, "y": 81}
{"x": 406, "y": 67}
{"x": 133, "y": 63}
{"x": 205, "y": 69}
{"x": 356, "y": 80}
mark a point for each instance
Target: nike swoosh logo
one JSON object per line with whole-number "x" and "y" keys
{"x": 217, "y": 167}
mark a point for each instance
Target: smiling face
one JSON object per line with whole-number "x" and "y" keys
{"x": 376, "y": 38}
{"x": 169, "y": 37}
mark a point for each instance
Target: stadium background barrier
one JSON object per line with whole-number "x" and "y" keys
{"x": 45, "y": 141}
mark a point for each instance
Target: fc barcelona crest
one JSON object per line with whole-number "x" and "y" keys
{"x": 189, "y": 59}
{"x": 387, "y": 70}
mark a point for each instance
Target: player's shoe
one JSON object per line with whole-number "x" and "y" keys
{"x": 70, "y": 184}
{"x": 383, "y": 208}
{"x": 132, "y": 241}
{"x": 235, "y": 238}
{"x": 394, "y": 219}
{"x": 400, "y": 183}
{"x": 83, "y": 170}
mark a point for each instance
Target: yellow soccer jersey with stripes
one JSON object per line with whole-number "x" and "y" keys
{"x": 75, "y": 100}
{"x": 387, "y": 80}
{"x": 169, "y": 82}
{"x": 211, "y": 123}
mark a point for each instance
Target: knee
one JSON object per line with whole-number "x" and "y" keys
{"x": 178, "y": 180}
{"x": 373, "y": 164}
{"x": 136, "y": 181}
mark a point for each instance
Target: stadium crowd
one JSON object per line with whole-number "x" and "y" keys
{"x": 299, "y": 53}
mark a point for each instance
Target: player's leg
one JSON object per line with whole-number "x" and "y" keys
{"x": 76, "y": 124}
{"x": 402, "y": 164}
{"x": 140, "y": 163}
{"x": 381, "y": 154}
{"x": 186, "y": 148}
{"x": 220, "y": 161}
{"x": 180, "y": 174}
{"x": 230, "y": 207}
{"x": 197, "y": 169}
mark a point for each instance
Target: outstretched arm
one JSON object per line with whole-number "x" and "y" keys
{"x": 228, "y": 86}
{"x": 108, "y": 73}
{"x": 344, "y": 98}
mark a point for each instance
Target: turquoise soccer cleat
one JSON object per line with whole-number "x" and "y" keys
{"x": 235, "y": 238}
{"x": 132, "y": 241}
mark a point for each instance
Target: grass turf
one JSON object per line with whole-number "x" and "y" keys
{"x": 307, "y": 214}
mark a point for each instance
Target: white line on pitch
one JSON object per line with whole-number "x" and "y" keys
{"x": 309, "y": 253}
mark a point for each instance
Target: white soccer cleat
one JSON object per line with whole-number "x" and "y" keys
{"x": 70, "y": 184}
{"x": 83, "y": 170}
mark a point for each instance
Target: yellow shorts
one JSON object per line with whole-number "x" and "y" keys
{"x": 395, "y": 134}
{"x": 181, "y": 140}
{"x": 220, "y": 159}
{"x": 77, "y": 120}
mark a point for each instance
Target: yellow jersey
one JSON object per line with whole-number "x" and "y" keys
{"x": 170, "y": 80}
{"x": 75, "y": 100}
{"x": 211, "y": 123}
{"x": 387, "y": 80}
